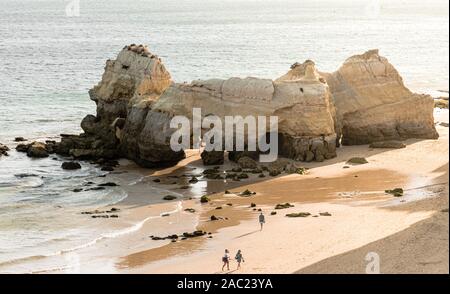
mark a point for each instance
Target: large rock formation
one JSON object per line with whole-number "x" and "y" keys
{"x": 373, "y": 104}
{"x": 303, "y": 107}
{"x": 129, "y": 86}
{"x": 365, "y": 101}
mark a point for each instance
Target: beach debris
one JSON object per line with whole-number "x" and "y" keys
{"x": 397, "y": 192}
{"x": 357, "y": 160}
{"x": 444, "y": 210}
{"x": 214, "y": 218}
{"x": 345, "y": 166}
{"x": 247, "y": 193}
{"x": 387, "y": 144}
{"x": 76, "y": 190}
{"x": 191, "y": 210}
{"x": 252, "y": 204}
{"x": 230, "y": 204}
{"x": 298, "y": 214}
{"x": 444, "y": 124}
{"x": 273, "y": 213}
{"x": 19, "y": 139}
{"x": 219, "y": 207}
{"x": 259, "y": 209}
{"x": 204, "y": 199}
{"x": 324, "y": 213}
{"x": 108, "y": 184}
{"x": 169, "y": 197}
{"x": 114, "y": 216}
{"x": 156, "y": 180}
{"x": 283, "y": 205}
{"x": 227, "y": 192}
{"x": 70, "y": 165}
{"x": 165, "y": 214}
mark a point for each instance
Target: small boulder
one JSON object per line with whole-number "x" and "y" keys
{"x": 19, "y": 139}
{"x": 397, "y": 192}
{"x": 37, "y": 150}
{"x": 324, "y": 213}
{"x": 247, "y": 193}
{"x": 298, "y": 214}
{"x": 3, "y": 150}
{"x": 357, "y": 160}
{"x": 212, "y": 157}
{"x": 108, "y": 184}
{"x": 283, "y": 205}
{"x": 388, "y": 144}
{"x": 169, "y": 197}
{"x": 70, "y": 165}
{"x": 193, "y": 180}
{"x": 247, "y": 162}
{"x": 204, "y": 199}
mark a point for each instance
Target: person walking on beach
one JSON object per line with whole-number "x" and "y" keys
{"x": 226, "y": 260}
{"x": 262, "y": 220}
{"x": 239, "y": 258}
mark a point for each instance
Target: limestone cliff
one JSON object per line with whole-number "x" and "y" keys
{"x": 373, "y": 104}
{"x": 364, "y": 101}
{"x": 305, "y": 115}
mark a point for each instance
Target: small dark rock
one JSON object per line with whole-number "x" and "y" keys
{"x": 70, "y": 165}
{"x": 169, "y": 197}
{"x": 108, "y": 184}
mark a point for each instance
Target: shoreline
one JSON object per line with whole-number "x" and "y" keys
{"x": 361, "y": 213}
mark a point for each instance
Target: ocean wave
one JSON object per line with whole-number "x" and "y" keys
{"x": 134, "y": 228}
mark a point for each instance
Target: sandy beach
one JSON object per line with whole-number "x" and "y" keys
{"x": 409, "y": 233}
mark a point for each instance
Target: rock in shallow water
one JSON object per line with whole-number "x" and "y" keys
{"x": 3, "y": 150}
{"x": 70, "y": 165}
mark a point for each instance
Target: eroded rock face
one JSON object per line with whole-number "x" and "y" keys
{"x": 364, "y": 101}
{"x": 373, "y": 104}
{"x": 129, "y": 86}
{"x": 302, "y": 105}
